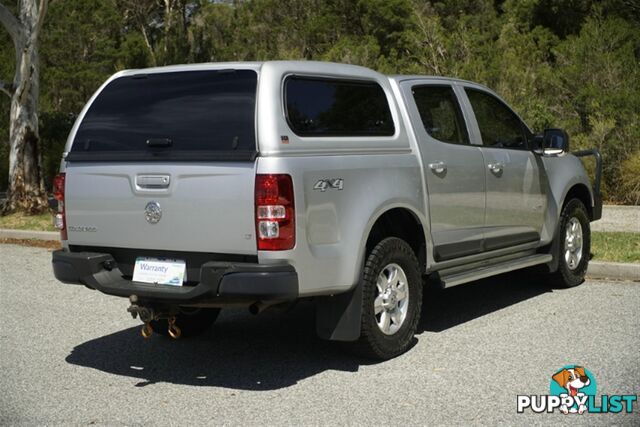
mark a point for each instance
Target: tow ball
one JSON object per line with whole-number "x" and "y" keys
{"x": 148, "y": 314}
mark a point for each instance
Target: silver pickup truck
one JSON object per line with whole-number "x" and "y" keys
{"x": 188, "y": 189}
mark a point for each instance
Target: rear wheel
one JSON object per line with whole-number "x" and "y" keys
{"x": 192, "y": 322}
{"x": 392, "y": 298}
{"x": 574, "y": 245}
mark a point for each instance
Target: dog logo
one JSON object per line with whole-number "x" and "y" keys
{"x": 573, "y": 391}
{"x": 574, "y": 381}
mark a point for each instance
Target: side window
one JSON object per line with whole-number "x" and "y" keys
{"x": 332, "y": 107}
{"x": 440, "y": 113}
{"x": 499, "y": 126}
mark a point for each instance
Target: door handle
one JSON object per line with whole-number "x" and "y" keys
{"x": 438, "y": 167}
{"x": 496, "y": 168}
{"x": 153, "y": 182}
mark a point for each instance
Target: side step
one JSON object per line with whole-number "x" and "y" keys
{"x": 458, "y": 278}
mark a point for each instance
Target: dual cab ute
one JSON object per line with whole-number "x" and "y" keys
{"x": 187, "y": 189}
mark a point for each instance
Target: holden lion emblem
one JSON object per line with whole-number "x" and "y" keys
{"x": 153, "y": 212}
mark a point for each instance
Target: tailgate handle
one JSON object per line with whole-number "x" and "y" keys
{"x": 153, "y": 181}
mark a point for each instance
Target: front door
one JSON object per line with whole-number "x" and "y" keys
{"x": 515, "y": 180}
{"x": 454, "y": 169}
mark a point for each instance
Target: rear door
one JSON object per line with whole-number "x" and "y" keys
{"x": 515, "y": 179}
{"x": 166, "y": 161}
{"x": 454, "y": 169}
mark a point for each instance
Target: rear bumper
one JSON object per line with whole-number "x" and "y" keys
{"x": 218, "y": 280}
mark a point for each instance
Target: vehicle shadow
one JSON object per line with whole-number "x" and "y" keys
{"x": 444, "y": 309}
{"x": 271, "y": 351}
{"x": 276, "y": 349}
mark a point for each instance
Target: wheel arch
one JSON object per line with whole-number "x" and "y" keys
{"x": 581, "y": 192}
{"x": 398, "y": 221}
{"x": 576, "y": 191}
{"x": 338, "y": 317}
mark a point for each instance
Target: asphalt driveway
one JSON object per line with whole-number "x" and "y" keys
{"x": 69, "y": 355}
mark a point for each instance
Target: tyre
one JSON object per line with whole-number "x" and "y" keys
{"x": 192, "y": 322}
{"x": 574, "y": 245}
{"x": 391, "y": 298}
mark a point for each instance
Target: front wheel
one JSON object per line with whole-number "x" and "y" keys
{"x": 391, "y": 298}
{"x": 574, "y": 245}
{"x": 192, "y": 322}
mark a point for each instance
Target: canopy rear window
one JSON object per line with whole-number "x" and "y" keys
{"x": 332, "y": 107}
{"x": 187, "y": 115}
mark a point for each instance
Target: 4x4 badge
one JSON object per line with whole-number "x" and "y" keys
{"x": 153, "y": 212}
{"x": 324, "y": 184}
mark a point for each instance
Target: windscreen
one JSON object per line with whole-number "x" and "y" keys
{"x": 165, "y": 115}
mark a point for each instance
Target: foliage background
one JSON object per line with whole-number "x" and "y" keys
{"x": 561, "y": 63}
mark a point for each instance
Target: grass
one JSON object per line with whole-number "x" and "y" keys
{"x": 20, "y": 221}
{"x": 615, "y": 246}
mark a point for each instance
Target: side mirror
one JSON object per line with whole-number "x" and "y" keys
{"x": 551, "y": 142}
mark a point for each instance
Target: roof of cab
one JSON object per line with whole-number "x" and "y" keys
{"x": 282, "y": 67}
{"x": 401, "y": 78}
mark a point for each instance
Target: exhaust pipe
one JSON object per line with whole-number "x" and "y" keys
{"x": 259, "y": 307}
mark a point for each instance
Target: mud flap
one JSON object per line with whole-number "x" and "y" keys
{"x": 338, "y": 317}
{"x": 554, "y": 250}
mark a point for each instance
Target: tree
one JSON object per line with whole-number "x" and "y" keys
{"x": 599, "y": 87}
{"x": 26, "y": 190}
{"x": 142, "y": 15}
{"x": 73, "y": 64}
{"x": 164, "y": 26}
{"x": 561, "y": 63}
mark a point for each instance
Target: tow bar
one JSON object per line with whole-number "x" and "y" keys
{"x": 148, "y": 314}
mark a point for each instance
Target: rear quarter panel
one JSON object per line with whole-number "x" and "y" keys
{"x": 378, "y": 173}
{"x": 332, "y": 226}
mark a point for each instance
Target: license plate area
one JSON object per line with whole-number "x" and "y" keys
{"x": 160, "y": 271}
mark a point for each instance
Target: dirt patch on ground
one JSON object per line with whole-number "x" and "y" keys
{"x": 47, "y": 244}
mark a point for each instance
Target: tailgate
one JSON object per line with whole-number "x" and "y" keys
{"x": 206, "y": 207}
{"x": 166, "y": 161}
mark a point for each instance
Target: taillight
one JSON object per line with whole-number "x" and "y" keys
{"x": 58, "y": 194}
{"x": 275, "y": 212}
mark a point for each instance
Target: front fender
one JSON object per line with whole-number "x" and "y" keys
{"x": 564, "y": 172}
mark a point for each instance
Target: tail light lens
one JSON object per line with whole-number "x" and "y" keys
{"x": 275, "y": 212}
{"x": 58, "y": 194}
